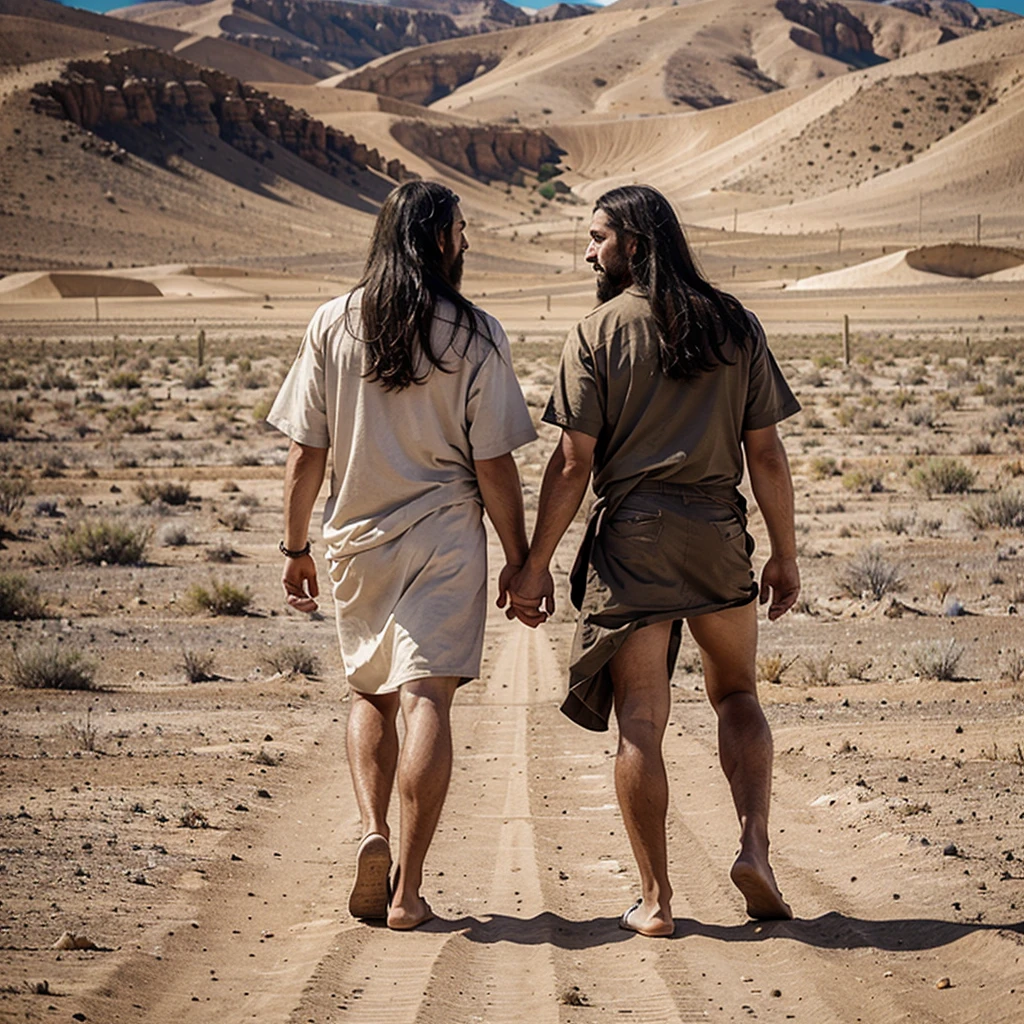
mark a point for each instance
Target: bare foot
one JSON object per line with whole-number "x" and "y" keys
{"x": 757, "y": 883}
{"x": 406, "y": 916}
{"x": 655, "y": 923}
{"x": 369, "y": 898}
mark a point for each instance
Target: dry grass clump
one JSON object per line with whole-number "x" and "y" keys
{"x": 83, "y": 734}
{"x": 236, "y": 519}
{"x": 1012, "y": 668}
{"x": 167, "y": 491}
{"x": 198, "y": 666}
{"x": 770, "y": 667}
{"x": 937, "y": 660}
{"x": 124, "y": 380}
{"x": 1004, "y": 509}
{"x": 220, "y": 598}
{"x": 222, "y": 551}
{"x": 943, "y": 476}
{"x": 172, "y": 535}
{"x": 194, "y": 379}
{"x": 293, "y": 659}
{"x": 52, "y": 667}
{"x": 13, "y": 415}
{"x": 898, "y": 523}
{"x": 864, "y": 481}
{"x": 102, "y": 542}
{"x": 13, "y": 491}
{"x": 19, "y": 599}
{"x": 822, "y": 467}
{"x": 870, "y": 572}
{"x": 817, "y": 670}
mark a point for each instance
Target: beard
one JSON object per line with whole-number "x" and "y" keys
{"x": 611, "y": 282}
{"x": 453, "y": 266}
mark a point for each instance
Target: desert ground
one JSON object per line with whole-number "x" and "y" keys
{"x": 178, "y": 828}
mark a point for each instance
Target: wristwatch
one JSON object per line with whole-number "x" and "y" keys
{"x": 288, "y": 553}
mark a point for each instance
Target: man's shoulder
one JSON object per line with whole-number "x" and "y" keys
{"x": 602, "y": 322}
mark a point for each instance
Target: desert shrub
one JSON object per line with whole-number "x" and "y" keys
{"x": 937, "y": 660}
{"x": 19, "y": 599}
{"x": 943, "y": 476}
{"x": 167, "y": 491}
{"x": 549, "y": 170}
{"x": 1012, "y": 667}
{"x": 52, "y": 667}
{"x": 197, "y": 666}
{"x": 817, "y": 671}
{"x": 261, "y": 410}
{"x": 124, "y": 380}
{"x": 823, "y": 466}
{"x": 898, "y": 522}
{"x": 221, "y": 598}
{"x": 865, "y": 481}
{"x": 870, "y": 572}
{"x": 921, "y": 416}
{"x": 98, "y": 541}
{"x": 547, "y": 190}
{"x": 13, "y": 380}
{"x": 770, "y": 667}
{"x": 293, "y": 659}
{"x": 173, "y": 536}
{"x": 83, "y": 733}
{"x": 194, "y": 379}
{"x": 1004, "y": 509}
{"x": 222, "y": 551}
{"x": 12, "y": 416}
{"x": 13, "y": 491}
{"x": 236, "y": 519}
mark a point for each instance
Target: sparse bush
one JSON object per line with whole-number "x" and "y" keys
{"x": 817, "y": 671}
{"x": 770, "y": 667}
{"x": 937, "y": 660}
{"x": 124, "y": 380}
{"x": 870, "y": 572}
{"x": 173, "y": 536}
{"x": 1004, "y": 509}
{"x": 866, "y": 481}
{"x": 222, "y": 598}
{"x": 1012, "y": 668}
{"x": 823, "y": 466}
{"x": 100, "y": 541}
{"x": 12, "y": 416}
{"x": 197, "y": 666}
{"x": 222, "y": 551}
{"x": 898, "y": 522}
{"x": 293, "y": 659}
{"x": 19, "y": 599}
{"x": 13, "y": 491}
{"x": 83, "y": 734}
{"x": 194, "y": 379}
{"x": 547, "y": 190}
{"x": 921, "y": 416}
{"x": 236, "y": 519}
{"x": 163, "y": 490}
{"x": 943, "y": 476}
{"x": 52, "y": 667}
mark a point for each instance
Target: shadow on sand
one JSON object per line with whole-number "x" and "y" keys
{"x": 829, "y": 931}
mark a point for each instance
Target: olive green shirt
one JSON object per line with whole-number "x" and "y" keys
{"x": 610, "y": 386}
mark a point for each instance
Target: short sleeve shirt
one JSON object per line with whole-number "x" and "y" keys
{"x": 396, "y": 456}
{"x": 610, "y": 386}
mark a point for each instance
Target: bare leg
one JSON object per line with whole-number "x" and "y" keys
{"x": 728, "y": 646}
{"x": 424, "y": 770}
{"x": 642, "y": 705}
{"x": 372, "y": 743}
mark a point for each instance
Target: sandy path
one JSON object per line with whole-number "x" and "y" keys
{"x": 529, "y": 873}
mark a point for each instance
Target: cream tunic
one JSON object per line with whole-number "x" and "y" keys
{"x": 402, "y": 523}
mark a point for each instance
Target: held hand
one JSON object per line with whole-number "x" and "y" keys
{"x": 532, "y": 597}
{"x": 300, "y": 586}
{"x": 505, "y": 577}
{"x": 780, "y": 581}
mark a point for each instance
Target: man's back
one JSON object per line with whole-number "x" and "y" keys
{"x": 683, "y": 431}
{"x": 398, "y": 455}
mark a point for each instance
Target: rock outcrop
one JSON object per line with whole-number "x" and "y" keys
{"x": 830, "y": 29}
{"x": 150, "y": 89}
{"x": 485, "y": 152}
{"x": 421, "y": 79}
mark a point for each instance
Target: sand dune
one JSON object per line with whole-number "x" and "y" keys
{"x": 928, "y": 265}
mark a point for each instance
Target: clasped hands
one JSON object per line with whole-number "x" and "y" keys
{"x": 528, "y": 592}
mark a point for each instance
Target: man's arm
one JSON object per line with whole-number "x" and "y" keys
{"x": 303, "y": 475}
{"x": 565, "y": 482}
{"x": 773, "y": 490}
{"x": 503, "y": 498}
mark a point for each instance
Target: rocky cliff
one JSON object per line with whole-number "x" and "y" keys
{"x": 830, "y": 29}
{"x": 485, "y": 152}
{"x": 421, "y": 79}
{"x": 150, "y": 89}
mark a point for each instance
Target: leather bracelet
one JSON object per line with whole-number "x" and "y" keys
{"x": 302, "y": 552}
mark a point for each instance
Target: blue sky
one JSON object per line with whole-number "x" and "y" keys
{"x": 108, "y": 5}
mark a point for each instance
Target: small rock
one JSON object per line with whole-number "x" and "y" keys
{"x": 950, "y": 850}
{"x": 943, "y": 983}
{"x": 69, "y": 940}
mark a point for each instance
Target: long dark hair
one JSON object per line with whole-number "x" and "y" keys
{"x": 404, "y": 277}
{"x": 693, "y": 317}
